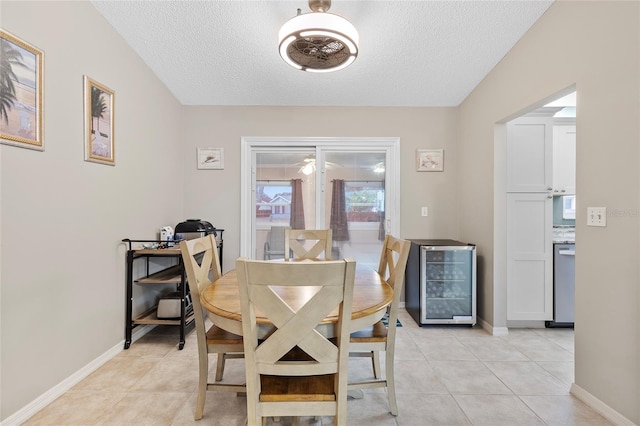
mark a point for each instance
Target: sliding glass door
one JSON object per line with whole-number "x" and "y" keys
{"x": 317, "y": 184}
{"x": 354, "y": 203}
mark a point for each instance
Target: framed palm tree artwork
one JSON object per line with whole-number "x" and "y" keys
{"x": 98, "y": 123}
{"x": 21, "y": 88}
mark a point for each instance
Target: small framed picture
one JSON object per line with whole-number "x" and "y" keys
{"x": 98, "y": 123}
{"x": 430, "y": 160}
{"x": 21, "y": 88}
{"x": 211, "y": 158}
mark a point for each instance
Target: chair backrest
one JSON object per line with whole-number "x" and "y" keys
{"x": 393, "y": 262}
{"x": 330, "y": 286}
{"x": 202, "y": 265}
{"x": 307, "y": 243}
{"x": 274, "y": 245}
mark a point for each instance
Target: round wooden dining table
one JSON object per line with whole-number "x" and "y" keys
{"x": 371, "y": 296}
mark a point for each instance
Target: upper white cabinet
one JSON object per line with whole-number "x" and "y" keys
{"x": 564, "y": 159}
{"x": 529, "y": 154}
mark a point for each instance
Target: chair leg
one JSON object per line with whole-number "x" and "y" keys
{"x": 220, "y": 366}
{"x": 391, "y": 384}
{"x": 375, "y": 359}
{"x": 202, "y": 389}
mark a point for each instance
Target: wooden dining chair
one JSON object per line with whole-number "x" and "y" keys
{"x": 370, "y": 341}
{"x": 295, "y": 370}
{"x": 307, "y": 244}
{"x": 201, "y": 262}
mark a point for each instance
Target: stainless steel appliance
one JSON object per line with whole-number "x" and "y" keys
{"x": 440, "y": 282}
{"x": 563, "y": 285}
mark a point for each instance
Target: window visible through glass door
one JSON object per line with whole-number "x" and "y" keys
{"x": 353, "y": 196}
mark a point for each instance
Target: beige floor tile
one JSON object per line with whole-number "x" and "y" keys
{"x": 76, "y": 408}
{"x": 497, "y": 410}
{"x": 406, "y": 347}
{"x": 564, "y": 411}
{"x": 445, "y": 348}
{"x": 417, "y": 377}
{"x": 118, "y": 374}
{"x": 545, "y": 350}
{"x": 144, "y": 409}
{"x": 565, "y": 341}
{"x": 373, "y": 409}
{"x": 468, "y": 331}
{"x": 551, "y": 333}
{"x": 423, "y": 409}
{"x": 429, "y": 331}
{"x": 468, "y": 377}
{"x": 152, "y": 346}
{"x": 170, "y": 374}
{"x": 220, "y": 409}
{"x": 537, "y": 347}
{"x": 563, "y": 371}
{"x": 492, "y": 349}
{"x": 361, "y": 369}
{"x": 527, "y": 378}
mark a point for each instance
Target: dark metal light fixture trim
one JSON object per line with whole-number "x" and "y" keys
{"x": 318, "y": 41}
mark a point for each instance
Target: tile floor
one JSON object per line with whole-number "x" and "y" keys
{"x": 445, "y": 376}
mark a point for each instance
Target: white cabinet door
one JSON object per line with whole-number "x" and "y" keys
{"x": 529, "y": 256}
{"x": 564, "y": 160}
{"x": 530, "y": 154}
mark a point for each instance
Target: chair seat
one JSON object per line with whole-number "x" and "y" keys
{"x": 218, "y": 336}
{"x": 294, "y": 388}
{"x": 375, "y": 333}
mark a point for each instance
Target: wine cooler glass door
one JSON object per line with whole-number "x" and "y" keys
{"x": 448, "y": 284}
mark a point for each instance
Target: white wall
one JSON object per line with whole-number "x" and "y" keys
{"x": 596, "y": 46}
{"x": 62, "y": 219}
{"x": 416, "y": 127}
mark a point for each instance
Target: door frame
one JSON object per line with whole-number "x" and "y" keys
{"x": 391, "y": 145}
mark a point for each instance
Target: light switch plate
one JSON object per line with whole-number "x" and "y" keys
{"x": 596, "y": 216}
{"x": 425, "y": 211}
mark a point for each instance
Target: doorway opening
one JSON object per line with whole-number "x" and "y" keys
{"x": 529, "y": 196}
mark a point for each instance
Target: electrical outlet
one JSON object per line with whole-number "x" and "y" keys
{"x": 596, "y": 216}
{"x": 425, "y": 211}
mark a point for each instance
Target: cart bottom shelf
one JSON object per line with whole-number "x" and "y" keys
{"x": 151, "y": 317}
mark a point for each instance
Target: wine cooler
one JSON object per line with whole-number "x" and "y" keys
{"x": 440, "y": 282}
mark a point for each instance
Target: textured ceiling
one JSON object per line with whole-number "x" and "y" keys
{"x": 412, "y": 53}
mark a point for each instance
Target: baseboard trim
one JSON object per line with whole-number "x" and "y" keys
{"x": 29, "y": 410}
{"x": 599, "y": 406}
{"x": 494, "y": 331}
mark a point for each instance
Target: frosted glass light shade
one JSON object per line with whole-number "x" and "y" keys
{"x": 318, "y": 42}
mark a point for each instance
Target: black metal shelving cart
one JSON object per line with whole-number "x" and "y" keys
{"x": 174, "y": 275}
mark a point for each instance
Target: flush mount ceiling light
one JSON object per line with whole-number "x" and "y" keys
{"x": 318, "y": 41}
